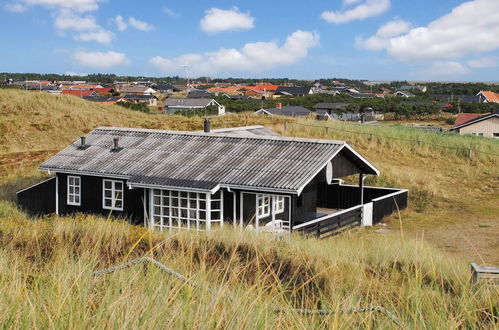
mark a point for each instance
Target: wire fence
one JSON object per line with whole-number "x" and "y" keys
{"x": 467, "y": 151}
{"x": 198, "y": 285}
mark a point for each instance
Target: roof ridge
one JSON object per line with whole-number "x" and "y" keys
{"x": 198, "y": 133}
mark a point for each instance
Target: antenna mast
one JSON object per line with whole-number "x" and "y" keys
{"x": 185, "y": 66}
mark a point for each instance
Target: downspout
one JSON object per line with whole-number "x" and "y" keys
{"x": 234, "y": 205}
{"x": 56, "y": 194}
{"x": 361, "y": 186}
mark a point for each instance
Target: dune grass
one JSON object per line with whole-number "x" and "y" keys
{"x": 46, "y": 279}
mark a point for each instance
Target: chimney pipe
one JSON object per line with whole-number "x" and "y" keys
{"x": 116, "y": 145}
{"x": 206, "y": 126}
{"x": 82, "y": 142}
{"x": 278, "y": 105}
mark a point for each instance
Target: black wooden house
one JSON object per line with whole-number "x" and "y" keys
{"x": 198, "y": 180}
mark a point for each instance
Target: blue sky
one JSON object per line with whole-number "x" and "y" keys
{"x": 360, "y": 39}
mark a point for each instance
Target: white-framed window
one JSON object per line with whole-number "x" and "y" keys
{"x": 496, "y": 135}
{"x": 112, "y": 195}
{"x": 263, "y": 205}
{"x": 183, "y": 209}
{"x": 478, "y": 133}
{"x": 74, "y": 190}
{"x": 278, "y": 204}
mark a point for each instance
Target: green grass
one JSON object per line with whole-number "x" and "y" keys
{"x": 46, "y": 279}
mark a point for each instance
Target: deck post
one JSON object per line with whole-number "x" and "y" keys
{"x": 361, "y": 187}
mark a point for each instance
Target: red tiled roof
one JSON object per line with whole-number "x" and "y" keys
{"x": 103, "y": 90}
{"x": 466, "y": 117}
{"x": 79, "y": 93}
{"x": 490, "y": 96}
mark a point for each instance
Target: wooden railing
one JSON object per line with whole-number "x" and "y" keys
{"x": 386, "y": 205}
{"x": 332, "y": 224}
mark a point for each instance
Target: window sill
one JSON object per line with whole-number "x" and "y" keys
{"x": 112, "y": 208}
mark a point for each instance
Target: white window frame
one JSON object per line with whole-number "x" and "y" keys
{"x": 262, "y": 205}
{"x": 278, "y": 204}
{"x": 181, "y": 209}
{"x": 478, "y": 133}
{"x": 73, "y": 195}
{"x": 113, "y": 195}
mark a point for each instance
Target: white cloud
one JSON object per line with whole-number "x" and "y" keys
{"x": 100, "y": 36}
{"x": 443, "y": 69}
{"x": 219, "y": 20}
{"x": 73, "y": 5}
{"x": 15, "y": 7}
{"x": 68, "y": 21}
{"x": 382, "y": 37}
{"x": 72, "y": 73}
{"x": 170, "y": 12}
{"x": 362, "y": 11}
{"x": 483, "y": 62}
{"x": 252, "y": 57}
{"x": 140, "y": 25}
{"x": 100, "y": 60}
{"x": 68, "y": 15}
{"x": 120, "y": 23}
{"x": 470, "y": 28}
{"x": 350, "y": 2}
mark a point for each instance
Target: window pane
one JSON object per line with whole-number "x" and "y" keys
{"x": 119, "y": 195}
{"x": 77, "y": 199}
{"x": 77, "y": 190}
{"x": 174, "y": 201}
{"x": 192, "y": 195}
{"x": 166, "y": 201}
{"x": 183, "y": 202}
{"x": 202, "y": 215}
{"x": 157, "y": 210}
{"x": 156, "y": 200}
{"x": 119, "y": 204}
{"x": 118, "y": 185}
{"x": 215, "y": 205}
{"x": 202, "y": 205}
{"x": 192, "y": 214}
{"x": 183, "y": 194}
{"x": 215, "y": 215}
{"x": 77, "y": 181}
{"x": 71, "y": 189}
{"x": 107, "y": 202}
{"x": 108, "y": 184}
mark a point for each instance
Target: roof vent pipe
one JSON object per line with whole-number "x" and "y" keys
{"x": 116, "y": 145}
{"x": 206, "y": 126}
{"x": 82, "y": 142}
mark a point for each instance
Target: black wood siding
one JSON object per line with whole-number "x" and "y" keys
{"x": 38, "y": 199}
{"x": 91, "y": 199}
{"x": 304, "y": 206}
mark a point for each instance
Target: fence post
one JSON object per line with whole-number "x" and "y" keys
{"x": 419, "y": 143}
{"x": 285, "y": 125}
{"x": 470, "y": 153}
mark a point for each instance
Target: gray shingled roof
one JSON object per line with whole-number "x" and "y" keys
{"x": 196, "y": 160}
{"x": 257, "y": 130}
{"x": 291, "y": 110}
{"x": 187, "y": 102}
